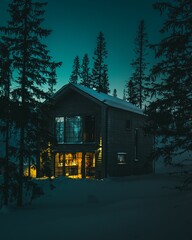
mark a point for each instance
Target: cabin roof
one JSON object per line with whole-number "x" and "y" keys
{"x": 101, "y": 97}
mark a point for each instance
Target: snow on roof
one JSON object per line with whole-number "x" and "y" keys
{"x": 106, "y": 99}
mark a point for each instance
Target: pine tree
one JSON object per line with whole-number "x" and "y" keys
{"x": 115, "y": 92}
{"x": 5, "y": 63}
{"x": 85, "y": 72}
{"x": 132, "y": 93}
{"x": 52, "y": 79}
{"x": 100, "y": 69}
{"x": 105, "y": 82}
{"x": 5, "y": 69}
{"x": 124, "y": 94}
{"x": 76, "y": 71}
{"x": 139, "y": 65}
{"x": 170, "y": 111}
{"x": 32, "y": 65}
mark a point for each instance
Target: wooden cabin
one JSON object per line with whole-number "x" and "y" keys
{"x": 97, "y": 135}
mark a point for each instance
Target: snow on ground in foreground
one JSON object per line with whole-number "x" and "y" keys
{"x": 132, "y": 208}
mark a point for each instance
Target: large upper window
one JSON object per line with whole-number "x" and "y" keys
{"x": 59, "y": 122}
{"x": 75, "y": 129}
{"x": 89, "y": 129}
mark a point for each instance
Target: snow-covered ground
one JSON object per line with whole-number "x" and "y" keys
{"x": 132, "y": 208}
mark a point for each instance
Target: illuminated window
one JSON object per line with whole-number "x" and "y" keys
{"x": 73, "y": 165}
{"x": 121, "y": 157}
{"x": 59, "y": 159}
{"x": 59, "y": 121}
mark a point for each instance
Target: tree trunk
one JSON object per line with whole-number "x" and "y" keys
{"x": 7, "y": 96}
{"x": 6, "y": 165}
{"x": 20, "y": 180}
{"x": 23, "y": 108}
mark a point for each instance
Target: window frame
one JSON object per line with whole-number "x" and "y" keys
{"x": 91, "y": 133}
{"x": 58, "y": 133}
{"x": 122, "y": 155}
{"x": 70, "y": 136}
{"x": 83, "y": 130}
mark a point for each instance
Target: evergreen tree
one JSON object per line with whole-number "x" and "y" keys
{"x": 105, "y": 82}
{"x": 124, "y": 94}
{"x": 76, "y": 71}
{"x": 138, "y": 78}
{"x": 115, "y": 92}
{"x": 5, "y": 63}
{"x": 132, "y": 93}
{"x": 5, "y": 69}
{"x": 85, "y": 72}
{"x": 170, "y": 111}
{"x": 33, "y": 67}
{"x": 52, "y": 79}
{"x": 46, "y": 156}
{"x": 100, "y": 71}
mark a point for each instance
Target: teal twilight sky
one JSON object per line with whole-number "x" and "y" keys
{"x": 75, "y": 25}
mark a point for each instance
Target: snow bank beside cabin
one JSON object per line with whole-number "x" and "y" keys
{"x": 135, "y": 208}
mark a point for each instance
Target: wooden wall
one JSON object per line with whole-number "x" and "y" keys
{"x": 122, "y": 139}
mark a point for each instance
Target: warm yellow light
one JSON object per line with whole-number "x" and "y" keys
{"x": 100, "y": 150}
{"x": 33, "y": 171}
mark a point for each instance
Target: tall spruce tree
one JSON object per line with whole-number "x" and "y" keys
{"x": 76, "y": 71}
{"x": 5, "y": 77}
{"x": 170, "y": 111}
{"x": 124, "y": 94}
{"x": 115, "y": 92}
{"x": 100, "y": 70}
{"x": 105, "y": 82}
{"x": 85, "y": 72}
{"x": 52, "y": 79}
{"x": 33, "y": 67}
{"x": 132, "y": 93}
{"x": 138, "y": 79}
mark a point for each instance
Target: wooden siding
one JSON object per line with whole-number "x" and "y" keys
{"x": 121, "y": 139}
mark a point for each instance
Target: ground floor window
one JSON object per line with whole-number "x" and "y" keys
{"x": 75, "y": 165}
{"x": 121, "y": 157}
